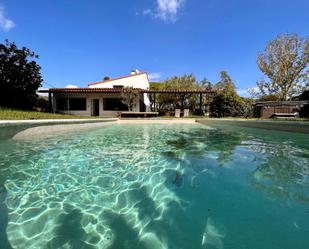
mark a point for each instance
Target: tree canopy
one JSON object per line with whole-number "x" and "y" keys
{"x": 20, "y": 76}
{"x": 225, "y": 82}
{"x": 285, "y": 63}
{"x": 172, "y": 101}
{"x": 226, "y": 101}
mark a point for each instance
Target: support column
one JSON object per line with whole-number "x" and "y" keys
{"x": 154, "y": 102}
{"x": 50, "y": 104}
{"x": 182, "y": 98}
{"x": 201, "y": 100}
{"x": 141, "y": 103}
{"x": 68, "y": 104}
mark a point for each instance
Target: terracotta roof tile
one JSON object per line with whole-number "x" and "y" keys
{"x": 117, "y": 90}
{"x": 84, "y": 90}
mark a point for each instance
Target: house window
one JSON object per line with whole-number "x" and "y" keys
{"x": 77, "y": 104}
{"x": 117, "y": 86}
{"x": 72, "y": 104}
{"x": 62, "y": 104}
{"x": 114, "y": 104}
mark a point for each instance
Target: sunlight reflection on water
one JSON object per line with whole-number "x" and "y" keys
{"x": 156, "y": 186}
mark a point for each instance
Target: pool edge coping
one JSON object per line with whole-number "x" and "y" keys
{"x": 276, "y": 125}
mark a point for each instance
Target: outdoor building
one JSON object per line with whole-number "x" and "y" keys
{"x": 103, "y": 98}
{"x": 100, "y": 98}
{"x": 298, "y": 106}
{"x": 271, "y": 109}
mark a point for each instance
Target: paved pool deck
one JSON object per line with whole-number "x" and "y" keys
{"x": 276, "y": 125}
{"x": 158, "y": 121}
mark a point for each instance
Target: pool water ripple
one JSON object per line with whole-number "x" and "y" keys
{"x": 157, "y": 186}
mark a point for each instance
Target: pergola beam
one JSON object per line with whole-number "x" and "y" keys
{"x": 119, "y": 90}
{"x": 50, "y": 103}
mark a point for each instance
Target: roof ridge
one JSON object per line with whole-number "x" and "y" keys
{"x": 118, "y": 78}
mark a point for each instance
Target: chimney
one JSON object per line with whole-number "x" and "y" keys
{"x": 134, "y": 71}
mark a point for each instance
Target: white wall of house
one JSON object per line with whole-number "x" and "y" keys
{"x": 136, "y": 80}
{"x": 139, "y": 80}
{"x": 89, "y": 100}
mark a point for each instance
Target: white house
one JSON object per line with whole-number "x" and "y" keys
{"x": 100, "y": 98}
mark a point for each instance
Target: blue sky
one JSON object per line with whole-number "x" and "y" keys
{"x": 82, "y": 41}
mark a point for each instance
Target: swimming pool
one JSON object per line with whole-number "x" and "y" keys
{"x": 156, "y": 186}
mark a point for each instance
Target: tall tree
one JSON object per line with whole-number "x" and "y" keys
{"x": 170, "y": 101}
{"x": 129, "y": 97}
{"x": 20, "y": 76}
{"x": 226, "y": 102}
{"x": 285, "y": 63}
{"x": 158, "y": 98}
{"x": 205, "y": 83}
{"x": 185, "y": 82}
{"x": 225, "y": 82}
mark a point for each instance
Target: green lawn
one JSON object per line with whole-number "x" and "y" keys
{"x": 13, "y": 114}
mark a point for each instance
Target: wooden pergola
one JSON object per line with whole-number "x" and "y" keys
{"x": 170, "y": 91}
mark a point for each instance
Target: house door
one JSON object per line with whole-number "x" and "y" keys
{"x": 95, "y": 110}
{"x": 142, "y": 106}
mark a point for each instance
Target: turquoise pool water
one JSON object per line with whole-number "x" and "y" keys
{"x": 156, "y": 186}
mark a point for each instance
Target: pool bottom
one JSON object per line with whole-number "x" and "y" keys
{"x": 136, "y": 186}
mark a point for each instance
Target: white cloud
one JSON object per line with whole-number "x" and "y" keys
{"x": 154, "y": 76}
{"x": 166, "y": 10}
{"x": 147, "y": 12}
{"x": 247, "y": 92}
{"x": 5, "y": 24}
{"x": 243, "y": 93}
{"x": 71, "y": 86}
